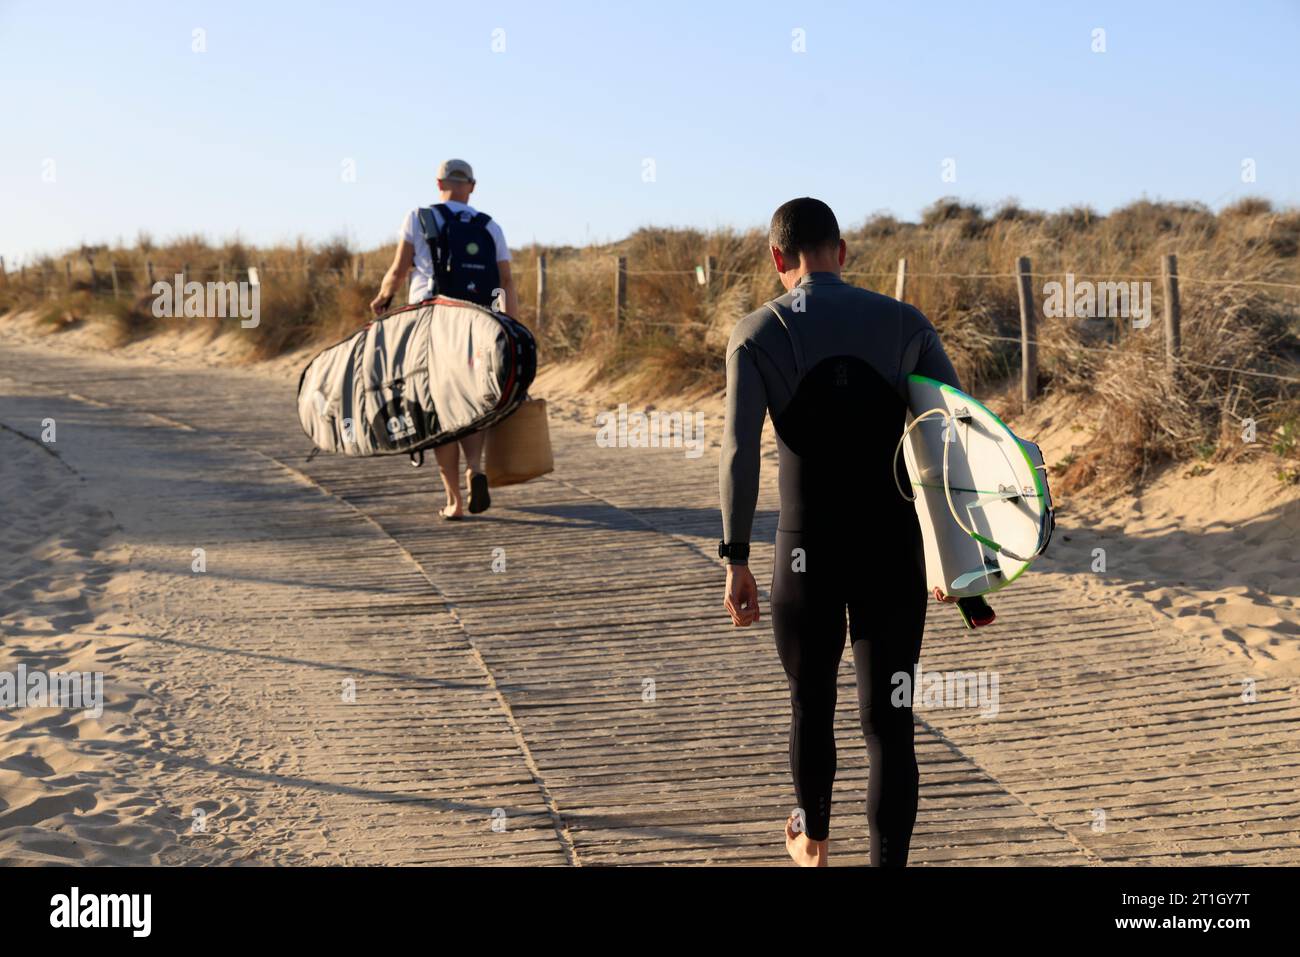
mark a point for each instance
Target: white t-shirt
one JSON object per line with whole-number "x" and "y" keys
{"x": 422, "y": 268}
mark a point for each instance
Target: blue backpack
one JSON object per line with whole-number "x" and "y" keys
{"x": 464, "y": 254}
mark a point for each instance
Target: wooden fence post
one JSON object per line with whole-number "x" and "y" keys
{"x": 541, "y": 290}
{"x": 620, "y": 293}
{"x": 1028, "y": 342}
{"x": 1173, "y": 311}
{"x": 67, "y": 274}
{"x": 900, "y": 283}
{"x": 357, "y": 266}
{"x": 148, "y": 269}
{"x": 94, "y": 279}
{"x": 710, "y": 266}
{"x": 4, "y": 274}
{"x": 112, "y": 272}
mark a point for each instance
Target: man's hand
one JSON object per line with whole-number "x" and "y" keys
{"x": 393, "y": 279}
{"x": 742, "y": 596}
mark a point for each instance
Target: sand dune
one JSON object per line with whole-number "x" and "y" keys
{"x": 1213, "y": 548}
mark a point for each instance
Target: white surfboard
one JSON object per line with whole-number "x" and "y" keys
{"x": 986, "y": 513}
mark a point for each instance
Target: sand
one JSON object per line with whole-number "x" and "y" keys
{"x": 1213, "y": 547}
{"x": 62, "y": 575}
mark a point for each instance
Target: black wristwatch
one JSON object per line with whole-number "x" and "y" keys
{"x": 737, "y": 553}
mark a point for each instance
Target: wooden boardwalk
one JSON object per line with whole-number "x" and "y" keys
{"x": 592, "y": 699}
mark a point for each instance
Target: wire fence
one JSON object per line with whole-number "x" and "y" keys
{"x": 99, "y": 277}
{"x": 1073, "y": 347}
{"x": 538, "y": 279}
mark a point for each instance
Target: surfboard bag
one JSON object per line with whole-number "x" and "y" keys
{"x": 417, "y": 377}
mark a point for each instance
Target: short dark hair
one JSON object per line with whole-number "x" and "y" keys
{"x": 803, "y": 225}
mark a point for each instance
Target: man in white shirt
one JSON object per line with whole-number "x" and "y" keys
{"x": 415, "y": 256}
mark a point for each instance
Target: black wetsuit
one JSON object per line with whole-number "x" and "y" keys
{"x": 832, "y": 370}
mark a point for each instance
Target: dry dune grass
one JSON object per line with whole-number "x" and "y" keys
{"x": 960, "y": 263}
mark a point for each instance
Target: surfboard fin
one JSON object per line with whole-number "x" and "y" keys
{"x": 1002, "y": 495}
{"x": 989, "y": 572}
{"x": 975, "y": 612}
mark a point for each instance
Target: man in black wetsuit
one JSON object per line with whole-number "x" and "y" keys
{"x": 830, "y": 363}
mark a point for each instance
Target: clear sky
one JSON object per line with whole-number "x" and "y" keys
{"x": 139, "y": 131}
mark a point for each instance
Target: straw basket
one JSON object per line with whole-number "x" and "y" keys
{"x": 518, "y": 448}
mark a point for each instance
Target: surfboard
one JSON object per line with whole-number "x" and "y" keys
{"x": 980, "y": 492}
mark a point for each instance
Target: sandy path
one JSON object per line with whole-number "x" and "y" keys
{"x": 65, "y": 773}
{"x": 590, "y": 695}
{"x": 248, "y": 663}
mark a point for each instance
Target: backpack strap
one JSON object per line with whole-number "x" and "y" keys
{"x": 432, "y": 232}
{"x": 429, "y": 226}
{"x": 434, "y": 235}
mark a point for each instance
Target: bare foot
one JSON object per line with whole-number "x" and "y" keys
{"x": 805, "y": 851}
